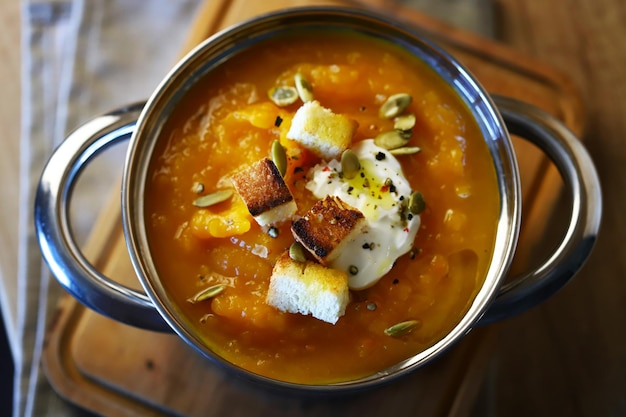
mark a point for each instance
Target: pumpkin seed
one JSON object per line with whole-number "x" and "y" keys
{"x": 405, "y": 150}
{"x": 404, "y": 122}
{"x": 207, "y": 293}
{"x": 350, "y": 164}
{"x": 416, "y": 203}
{"x": 395, "y": 105}
{"x": 279, "y": 156}
{"x": 283, "y": 95}
{"x": 391, "y": 140}
{"x": 213, "y": 198}
{"x": 304, "y": 88}
{"x": 296, "y": 252}
{"x": 402, "y": 328}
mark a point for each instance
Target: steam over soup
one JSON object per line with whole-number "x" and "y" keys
{"x": 231, "y": 190}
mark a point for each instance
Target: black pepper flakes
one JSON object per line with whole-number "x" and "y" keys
{"x": 414, "y": 252}
{"x": 396, "y": 281}
{"x": 278, "y": 121}
{"x": 369, "y": 246}
{"x": 380, "y": 156}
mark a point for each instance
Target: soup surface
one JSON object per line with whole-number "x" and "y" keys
{"x": 227, "y": 122}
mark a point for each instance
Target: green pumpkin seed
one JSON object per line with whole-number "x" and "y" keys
{"x": 395, "y": 105}
{"x": 296, "y": 252}
{"x": 304, "y": 88}
{"x": 392, "y": 139}
{"x": 213, "y": 198}
{"x": 404, "y": 122}
{"x": 402, "y": 328}
{"x": 207, "y": 293}
{"x": 350, "y": 164}
{"x": 416, "y": 203}
{"x": 405, "y": 150}
{"x": 283, "y": 95}
{"x": 279, "y": 156}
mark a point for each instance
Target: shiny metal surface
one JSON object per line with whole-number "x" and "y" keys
{"x": 157, "y": 311}
{"x": 52, "y": 225}
{"x": 581, "y": 180}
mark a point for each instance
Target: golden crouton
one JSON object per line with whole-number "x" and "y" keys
{"x": 308, "y": 288}
{"x": 265, "y": 193}
{"x": 321, "y": 131}
{"x": 327, "y": 226}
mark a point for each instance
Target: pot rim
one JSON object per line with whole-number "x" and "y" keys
{"x": 218, "y": 48}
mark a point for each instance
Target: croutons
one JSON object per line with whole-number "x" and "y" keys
{"x": 308, "y": 288}
{"x": 321, "y": 131}
{"x": 265, "y": 193}
{"x": 327, "y": 227}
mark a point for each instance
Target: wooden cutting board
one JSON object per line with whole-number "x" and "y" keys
{"x": 116, "y": 370}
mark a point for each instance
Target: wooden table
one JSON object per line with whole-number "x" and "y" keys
{"x": 566, "y": 357}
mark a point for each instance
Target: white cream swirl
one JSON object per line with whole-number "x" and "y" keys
{"x": 381, "y": 192}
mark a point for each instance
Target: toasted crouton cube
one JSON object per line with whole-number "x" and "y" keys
{"x": 327, "y": 227}
{"x": 265, "y": 193}
{"x": 308, "y": 288}
{"x": 321, "y": 131}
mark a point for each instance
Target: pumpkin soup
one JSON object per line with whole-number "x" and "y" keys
{"x": 216, "y": 256}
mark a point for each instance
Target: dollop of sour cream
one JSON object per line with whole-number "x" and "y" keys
{"x": 381, "y": 192}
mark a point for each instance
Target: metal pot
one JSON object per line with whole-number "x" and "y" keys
{"x": 142, "y": 123}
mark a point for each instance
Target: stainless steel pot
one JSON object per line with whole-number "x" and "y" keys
{"x": 143, "y": 122}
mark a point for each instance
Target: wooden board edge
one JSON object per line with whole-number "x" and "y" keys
{"x": 211, "y": 12}
{"x": 67, "y": 380}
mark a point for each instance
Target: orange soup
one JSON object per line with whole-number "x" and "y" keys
{"x": 228, "y": 122}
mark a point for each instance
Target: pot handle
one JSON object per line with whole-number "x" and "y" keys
{"x": 580, "y": 177}
{"x": 52, "y": 225}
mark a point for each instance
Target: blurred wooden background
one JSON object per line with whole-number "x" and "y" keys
{"x": 567, "y": 357}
